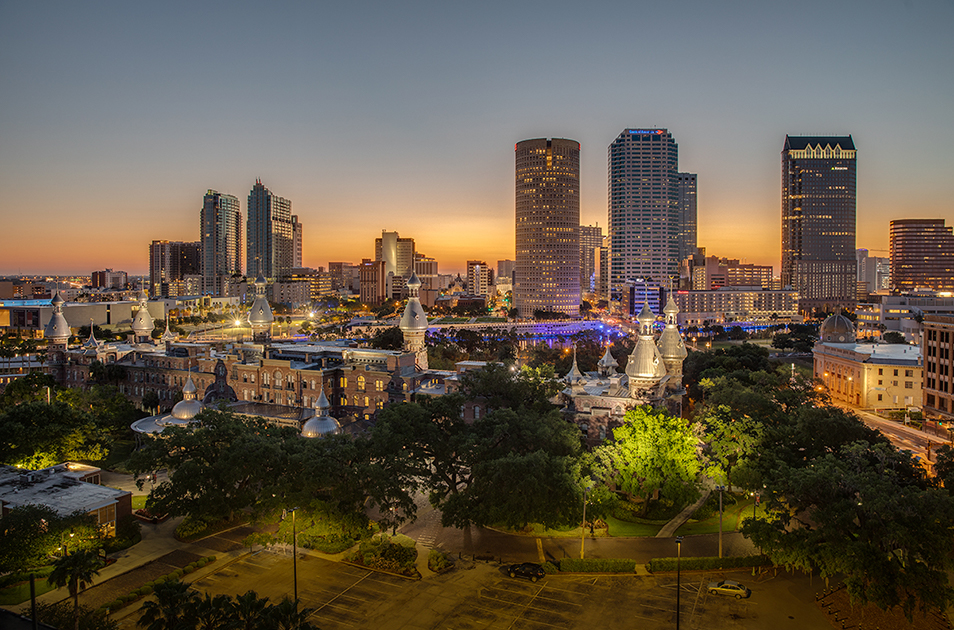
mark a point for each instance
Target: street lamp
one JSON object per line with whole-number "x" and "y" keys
{"x": 586, "y": 488}
{"x": 678, "y": 579}
{"x": 721, "y": 488}
{"x": 294, "y": 555}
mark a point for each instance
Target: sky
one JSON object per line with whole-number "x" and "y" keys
{"x": 116, "y": 117}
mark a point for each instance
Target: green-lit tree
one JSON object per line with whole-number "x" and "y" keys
{"x": 36, "y": 435}
{"x": 652, "y": 451}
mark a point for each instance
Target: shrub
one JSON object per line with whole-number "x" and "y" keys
{"x": 116, "y": 604}
{"x": 190, "y": 527}
{"x": 146, "y": 589}
{"x": 549, "y": 568}
{"x": 438, "y": 561}
{"x": 598, "y": 565}
{"x": 178, "y": 573}
{"x": 701, "y": 564}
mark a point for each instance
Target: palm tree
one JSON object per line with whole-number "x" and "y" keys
{"x": 215, "y": 613}
{"x": 173, "y": 608}
{"x": 75, "y": 572}
{"x": 286, "y": 616}
{"x": 249, "y": 611}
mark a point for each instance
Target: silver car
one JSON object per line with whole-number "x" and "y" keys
{"x": 728, "y": 587}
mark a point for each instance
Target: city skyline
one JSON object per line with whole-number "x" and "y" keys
{"x": 116, "y": 119}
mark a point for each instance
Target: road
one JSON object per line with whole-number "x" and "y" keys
{"x": 903, "y": 437}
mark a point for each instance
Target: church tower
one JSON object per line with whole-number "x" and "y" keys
{"x": 671, "y": 345}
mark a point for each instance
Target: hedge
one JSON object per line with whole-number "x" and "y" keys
{"x": 700, "y": 564}
{"x": 597, "y": 565}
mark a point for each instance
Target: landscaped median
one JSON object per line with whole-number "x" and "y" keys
{"x": 656, "y": 565}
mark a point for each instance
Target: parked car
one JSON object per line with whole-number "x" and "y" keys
{"x": 529, "y": 570}
{"x": 728, "y": 587}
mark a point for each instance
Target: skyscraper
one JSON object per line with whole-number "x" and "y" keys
{"x": 686, "y": 236}
{"x": 221, "y": 225}
{"x": 480, "y": 278}
{"x": 396, "y": 252}
{"x": 591, "y": 240}
{"x": 644, "y": 208}
{"x": 169, "y": 263}
{"x": 922, "y": 254}
{"x": 547, "y": 226}
{"x": 270, "y": 248}
{"x": 818, "y": 221}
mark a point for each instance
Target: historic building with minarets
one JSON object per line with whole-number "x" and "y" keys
{"x": 597, "y": 401}
{"x": 414, "y": 325}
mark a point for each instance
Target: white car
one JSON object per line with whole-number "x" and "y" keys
{"x": 728, "y": 587}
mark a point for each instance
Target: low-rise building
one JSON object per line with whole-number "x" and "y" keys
{"x": 866, "y": 375}
{"x": 938, "y": 372}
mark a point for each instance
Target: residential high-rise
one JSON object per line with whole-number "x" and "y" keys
{"x": 686, "y": 236}
{"x": 547, "y": 226}
{"x": 591, "y": 240}
{"x": 922, "y": 254}
{"x": 644, "y": 210}
{"x": 874, "y": 273}
{"x": 818, "y": 221}
{"x": 426, "y": 269}
{"x": 480, "y": 278}
{"x": 109, "y": 279}
{"x": 270, "y": 247}
{"x": 221, "y": 225}
{"x": 297, "y": 238}
{"x": 169, "y": 263}
{"x": 373, "y": 282}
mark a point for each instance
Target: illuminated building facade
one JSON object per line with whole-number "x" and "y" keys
{"x": 547, "y": 226}
{"x": 644, "y": 210}
{"x": 271, "y": 234}
{"x": 591, "y": 242}
{"x": 818, "y": 221}
{"x": 938, "y": 366}
{"x": 922, "y": 254}
{"x": 686, "y": 202}
{"x": 221, "y": 225}
{"x": 169, "y": 264}
{"x": 480, "y": 278}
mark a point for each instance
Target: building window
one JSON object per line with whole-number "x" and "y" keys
{"x": 880, "y": 397}
{"x": 379, "y": 386}
{"x": 343, "y": 381}
{"x": 360, "y": 383}
{"x": 908, "y": 385}
{"x": 895, "y": 372}
{"x": 880, "y": 371}
{"x": 909, "y": 373}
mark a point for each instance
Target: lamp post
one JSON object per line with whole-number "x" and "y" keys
{"x": 586, "y": 488}
{"x": 721, "y": 488}
{"x": 294, "y": 556}
{"x": 678, "y": 579}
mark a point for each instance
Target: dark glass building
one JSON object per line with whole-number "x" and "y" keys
{"x": 818, "y": 221}
{"x": 221, "y": 224}
{"x": 547, "y": 226}
{"x": 922, "y": 255}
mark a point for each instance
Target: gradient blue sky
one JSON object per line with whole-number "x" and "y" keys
{"x": 115, "y": 117}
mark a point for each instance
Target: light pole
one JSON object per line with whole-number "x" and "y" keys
{"x": 678, "y": 579}
{"x": 294, "y": 556}
{"x": 721, "y": 488}
{"x": 586, "y": 488}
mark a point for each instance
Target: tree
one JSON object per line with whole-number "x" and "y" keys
{"x": 729, "y": 441}
{"x": 865, "y": 511}
{"x": 214, "y": 613}
{"x": 31, "y": 534}
{"x": 388, "y": 339}
{"x": 652, "y": 451}
{"x": 75, "y": 571}
{"x": 37, "y": 435}
{"x": 893, "y": 337}
{"x": 172, "y": 608}
{"x": 249, "y": 611}
{"x": 944, "y": 467}
{"x": 285, "y": 615}
{"x": 33, "y": 387}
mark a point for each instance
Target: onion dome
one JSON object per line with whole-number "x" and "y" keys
{"x": 646, "y": 362}
{"x": 608, "y": 362}
{"x": 414, "y": 318}
{"x": 187, "y": 408}
{"x": 837, "y": 329}
{"x": 58, "y": 329}
{"x": 646, "y": 318}
{"x": 671, "y": 344}
{"x": 261, "y": 313}
{"x": 574, "y": 376}
{"x": 143, "y": 323}
{"x": 322, "y": 424}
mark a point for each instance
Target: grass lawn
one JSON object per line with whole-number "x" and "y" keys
{"x": 139, "y": 501}
{"x": 625, "y": 528}
{"x": 731, "y": 519}
{"x": 20, "y": 593}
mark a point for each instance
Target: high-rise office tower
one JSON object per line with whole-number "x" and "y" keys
{"x": 874, "y": 273}
{"x": 922, "y": 254}
{"x": 270, "y": 246}
{"x": 169, "y": 263}
{"x": 643, "y": 209}
{"x": 818, "y": 221}
{"x": 591, "y": 240}
{"x": 686, "y": 202}
{"x": 426, "y": 269}
{"x": 297, "y": 238}
{"x": 396, "y": 252}
{"x": 548, "y": 226}
{"x": 221, "y": 225}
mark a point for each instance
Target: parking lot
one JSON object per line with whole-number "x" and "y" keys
{"x": 481, "y": 595}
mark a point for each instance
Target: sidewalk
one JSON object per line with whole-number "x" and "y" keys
{"x": 669, "y": 529}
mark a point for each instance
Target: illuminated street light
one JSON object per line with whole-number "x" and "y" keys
{"x": 678, "y": 579}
